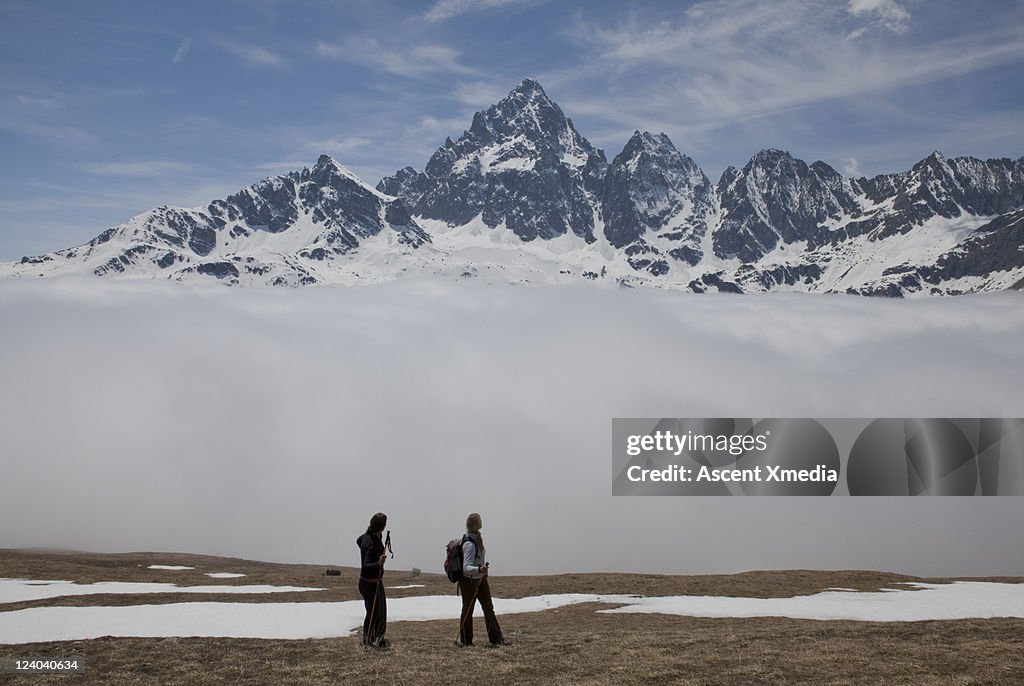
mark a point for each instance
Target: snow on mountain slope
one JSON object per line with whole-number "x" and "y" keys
{"x": 523, "y": 197}
{"x": 280, "y": 231}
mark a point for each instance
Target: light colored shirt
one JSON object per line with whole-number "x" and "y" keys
{"x": 474, "y": 555}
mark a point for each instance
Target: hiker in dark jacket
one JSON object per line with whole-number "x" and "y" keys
{"x": 371, "y": 582}
{"x": 474, "y": 586}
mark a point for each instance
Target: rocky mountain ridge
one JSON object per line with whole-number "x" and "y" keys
{"x": 523, "y": 197}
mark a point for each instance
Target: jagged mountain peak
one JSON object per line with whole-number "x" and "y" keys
{"x": 778, "y": 199}
{"x": 645, "y": 140}
{"x": 825, "y": 170}
{"x": 529, "y": 86}
{"x": 527, "y": 93}
{"x": 327, "y": 169}
{"x": 522, "y": 128}
{"x": 728, "y": 177}
{"x": 526, "y": 112}
{"x": 772, "y": 158}
{"x": 772, "y": 154}
{"x": 656, "y": 203}
{"x": 656, "y": 151}
{"x": 775, "y": 163}
{"x": 521, "y": 163}
{"x": 933, "y": 161}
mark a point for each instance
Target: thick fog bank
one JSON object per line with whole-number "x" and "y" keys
{"x": 271, "y": 423}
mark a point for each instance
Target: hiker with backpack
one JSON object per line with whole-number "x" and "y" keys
{"x": 473, "y": 585}
{"x": 372, "y": 554}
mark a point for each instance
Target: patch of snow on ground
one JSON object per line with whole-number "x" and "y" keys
{"x": 960, "y": 600}
{"x": 21, "y": 590}
{"x": 224, "y": 575}
{"x": 246, "y": 620}
{"x": 172, "y": 568}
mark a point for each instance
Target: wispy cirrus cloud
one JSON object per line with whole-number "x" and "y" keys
{"x": 446, "y": 9}
{"x": 887, "y": 14}
{"x": 252, "y": 55}
{"x": 723, "y": 62}
{"x": 438, "y": 126}
{"x": 136, "y": 168}
{"x": 410, "y": 61}
{"x": 280, "y": 166}
{"x": 197, "y": 187}
{"x": 338, "y": 145}
{"x": 183, "y": 49}
{"x": 480, "y": 93}
{"x": 42, "y": 114}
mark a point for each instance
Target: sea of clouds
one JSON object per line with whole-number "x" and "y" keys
{"x": 270, "y": 423}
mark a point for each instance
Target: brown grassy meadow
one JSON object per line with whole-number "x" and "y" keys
{"x": 571, "y": 645}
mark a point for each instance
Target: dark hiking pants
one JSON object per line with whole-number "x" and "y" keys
{"x": 473, "y": 590}
{"x": 374, "y": 626}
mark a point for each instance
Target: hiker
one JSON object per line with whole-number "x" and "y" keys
{"x": 372, "y": 553}
{"x": 473, "y": 586}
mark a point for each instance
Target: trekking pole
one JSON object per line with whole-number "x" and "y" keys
{"x": 380, "y": 579}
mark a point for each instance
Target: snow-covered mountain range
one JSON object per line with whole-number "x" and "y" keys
{"x": 523, "y": 197}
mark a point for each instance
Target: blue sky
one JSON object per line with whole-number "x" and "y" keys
{"x": 110, "y": 108}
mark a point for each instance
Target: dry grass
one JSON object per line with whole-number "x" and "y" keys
{"x": 572, "y": 645}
